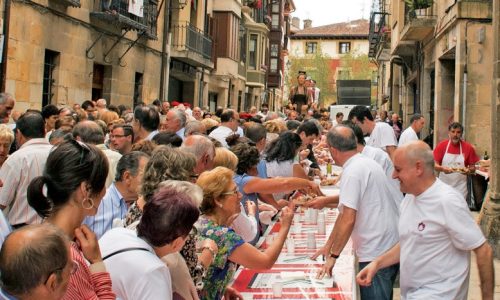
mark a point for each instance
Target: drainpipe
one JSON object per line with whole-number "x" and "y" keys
{"x": 6, "y": 23}
{"x": 165, "y": 54}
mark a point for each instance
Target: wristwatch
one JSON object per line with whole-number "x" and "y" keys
{"x": 334, "y": 255}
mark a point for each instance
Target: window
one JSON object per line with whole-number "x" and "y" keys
{"x": 275, "y": 21}
{"x": 138, "y": 88}
{"x": 343, "y": 75}
{"x": 276, "y": 8}
{"x": 274, "y": 50}
{"x": 274, "y": 65}
{"x": 344, "y": 47}
{"x": 311, "y": 47}
{"x": 252, "y": 52}
{"x": 49, "y": 64}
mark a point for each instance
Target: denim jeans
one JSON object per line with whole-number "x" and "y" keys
{"x": 382, "y": 282}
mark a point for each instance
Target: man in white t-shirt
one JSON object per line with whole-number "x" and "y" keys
{"x": 230, "y": 120}
{"x": 368, "y": 214}
{"x": 381, "y": 134}
{"x": 436, "y": 233}
{"x": 417, "y": 122}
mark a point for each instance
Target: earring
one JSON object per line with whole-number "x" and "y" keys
{"x": 219, "y": 205}
{"x": 88, "y": 200}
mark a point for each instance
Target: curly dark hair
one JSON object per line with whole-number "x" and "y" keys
{"x": 284, "y": 148}
{"x": 248, "y": 157}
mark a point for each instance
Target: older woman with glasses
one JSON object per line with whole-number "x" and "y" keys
{"x": 220, "y": 206}
{"x": 71, "y": 188}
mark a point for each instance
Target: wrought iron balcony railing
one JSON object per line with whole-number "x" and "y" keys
{"x": 185, "y": 36}
{"x": 140, "y": 15}
{"x": 378, "y": 32}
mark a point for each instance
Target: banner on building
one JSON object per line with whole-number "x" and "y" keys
{"x": 136, "y": 7}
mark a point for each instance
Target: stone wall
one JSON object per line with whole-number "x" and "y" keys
{"x": 69, "y": 31}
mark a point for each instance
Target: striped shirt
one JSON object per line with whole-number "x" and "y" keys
{"x": 16, "y": 174}
{"x": 112, "y": 207}
{"x": 86, "y": 285}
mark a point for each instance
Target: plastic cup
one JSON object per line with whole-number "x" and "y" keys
{"x": 311, "y": 240}
{"x": 277, "y": 289}
{"x": 290, "y": 246}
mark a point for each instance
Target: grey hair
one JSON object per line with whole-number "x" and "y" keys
{"x": 89, "y": 132}
{"x": 4, "y": 97}
{"x": 342, "y": 138}
{"x": 202, "y": 146}
{"x": 129, "y": 162}
{"x": 166, "y": 163}
{"x": 181, "y": 116}
{"x": 60, "y": 133}
{"x": 24, "y": 267}
{"x": 190, "y": 189}
{"x": 415, "y": 117}
{"x": 419, "y": 150}
{"x": 194, "y": 127}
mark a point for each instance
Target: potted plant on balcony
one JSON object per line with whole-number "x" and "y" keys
{"x": 418, "y": 7}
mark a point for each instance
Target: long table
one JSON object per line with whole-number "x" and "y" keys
{"x": 297, "y": 272}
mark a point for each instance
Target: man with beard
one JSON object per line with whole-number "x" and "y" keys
{"x": 453, "y": 158}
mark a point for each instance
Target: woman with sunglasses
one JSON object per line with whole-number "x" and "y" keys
{"x": 220, "y": 207}
{"x": 71, "y": 188}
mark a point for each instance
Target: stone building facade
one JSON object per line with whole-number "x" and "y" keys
{"x": 436, "y": 60}
{"x": 65, "y": 52}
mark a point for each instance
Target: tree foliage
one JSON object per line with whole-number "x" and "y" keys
{"x": 358, "y": 66}
{"x": 319, "y": 67}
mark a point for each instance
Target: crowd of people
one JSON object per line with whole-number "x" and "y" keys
{"x": 165, "y": 201}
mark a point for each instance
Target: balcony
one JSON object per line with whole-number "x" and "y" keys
{"x": 418, "y": 23}
{"x": 256, "y": 78}
{"x": 191, "y": 45}
{"x": 140, "y": 17}
{"x": 379, "y": 34}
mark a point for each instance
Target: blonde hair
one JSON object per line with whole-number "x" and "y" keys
{"x": 225, "y": 158}
{"x": 209, "y": 123}
{"x": 109, "y": 116}
{"x": 275, "y": 126}
{"x": 6, "y": 133}
{"x": 214, "y": 183}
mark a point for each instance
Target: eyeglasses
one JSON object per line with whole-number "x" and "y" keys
{"x": 74, "y": 268}
{"x": 113, "y": 136}
{"x": 233, "y": 192}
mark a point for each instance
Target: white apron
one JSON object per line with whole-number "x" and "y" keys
{"x": 456, "y": 180}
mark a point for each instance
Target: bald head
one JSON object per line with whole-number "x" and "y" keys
{"x": 342, "y": 138}
{"x": 88, "y": 132}
{"x": 30, "y": 255}
{"x": 418, "y": 151}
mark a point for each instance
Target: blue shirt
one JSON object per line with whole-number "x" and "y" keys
{"x": 112, "y": 207}
{"x": 241, "y": 181}
{"x": 6, "y": 296}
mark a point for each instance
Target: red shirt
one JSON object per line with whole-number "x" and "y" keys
{"x": 470, "y": 156}
{"x": 84, "y": 285}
